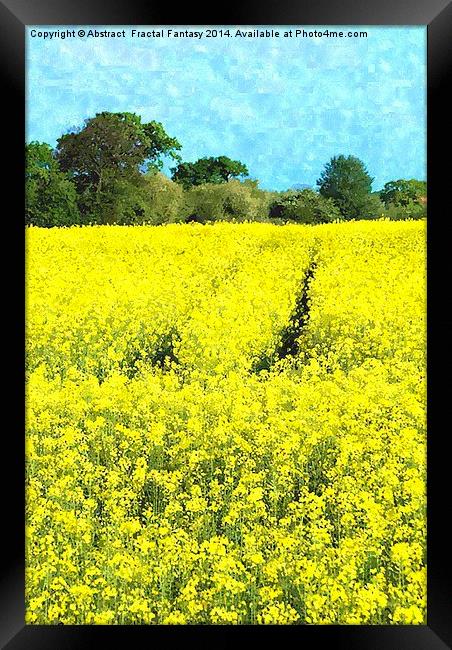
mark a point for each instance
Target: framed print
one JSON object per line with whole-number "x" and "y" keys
{"x": 231, "y": 419}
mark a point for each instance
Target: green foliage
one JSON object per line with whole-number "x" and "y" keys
{"x": 121, "y": 203}
{"x": 403, "y": 192}
{"x": 208, "y": 170}
{"x": 106, "y": 159}
{"x": 163, "y": 200}
{"x": 372, "y": 207}
{"x": 231, "y": 201}
{"x": 346, "y": 181}
{"x": 410, "y": 210}
{"x": 108, "y": 171}
{"x": 305, "y": 206}
{"x": 50, "y": 197}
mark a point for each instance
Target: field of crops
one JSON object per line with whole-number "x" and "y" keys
{"x": 226, "y": 424}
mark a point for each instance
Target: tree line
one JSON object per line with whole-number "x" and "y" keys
{"x": 109, "y": 171}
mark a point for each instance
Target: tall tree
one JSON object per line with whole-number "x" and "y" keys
{"x": 50, "y": 196}
{"x": 346, "y": 180}
{"x": 208, "y": 170}
{"x": 109, "y": 154}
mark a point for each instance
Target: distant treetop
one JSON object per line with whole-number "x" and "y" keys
{"x": 402, "y": 192}
{"x": 208, "y": 170}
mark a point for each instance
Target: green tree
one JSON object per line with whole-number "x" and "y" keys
{"x": 346, "y": 181}
{"x": 403, "y": 192}
{"x": 208, "y": 170}
{"x": 107, "y": 158}
{"x": 305, "y": 206}
{"x": 50, "y": 196}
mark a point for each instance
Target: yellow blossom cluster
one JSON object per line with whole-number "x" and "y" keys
{"x": 226, "y": 424}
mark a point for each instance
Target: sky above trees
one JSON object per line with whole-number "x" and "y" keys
{"x": 282, "y": 106}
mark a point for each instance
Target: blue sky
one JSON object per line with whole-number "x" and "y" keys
{"x": 283, "y": 106}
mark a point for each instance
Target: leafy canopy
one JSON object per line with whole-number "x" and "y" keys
{"x": 106, "y": 159}
{"x": 403, "y": 192}
{"x": 208, "y": 170}
{"x": 117, "y": 142}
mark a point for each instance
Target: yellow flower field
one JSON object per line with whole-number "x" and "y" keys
{"x": 226, "y": 424}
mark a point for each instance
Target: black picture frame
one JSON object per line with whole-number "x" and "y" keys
{"x": 15, "y": 15}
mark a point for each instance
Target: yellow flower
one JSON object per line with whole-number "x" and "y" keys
{"x": 226, "y": 424}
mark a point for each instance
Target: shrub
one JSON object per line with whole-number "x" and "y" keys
{"x": 410, "y": 210}
{"x": 305, "y": 206}
{"x": 231, "y": 201}
{"x": 371, "y": 207}
{"x": 163, "y": 200}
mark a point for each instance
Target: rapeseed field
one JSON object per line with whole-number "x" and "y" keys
{"x": 226, "y": 424}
